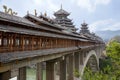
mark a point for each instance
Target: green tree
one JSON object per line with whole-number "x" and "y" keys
{"x": 113, "y": 50}
{"x": 109, "y": 67}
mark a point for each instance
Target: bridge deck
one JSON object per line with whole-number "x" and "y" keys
{"x": 10, "y": 56}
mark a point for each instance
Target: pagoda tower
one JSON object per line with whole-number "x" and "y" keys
{"x": 84, "y": 28}
{"x": 61, "y": 18}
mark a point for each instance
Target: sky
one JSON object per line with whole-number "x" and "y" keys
{"x": 98, "y": 14}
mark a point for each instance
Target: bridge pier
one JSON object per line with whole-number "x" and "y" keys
{"x": 50, "y": 70}
{"x": 63, "y": 69}
{"x": 5, "y": 75}
{"x": 70, "y": 67}
{"x": 15, "y": 73}
{"x": 9, "y": 74}
{"x": 57, "y": 70}
{"x": 77, "y": 61}
{"x": 22, "y": 73}
{"x": 81, "y": 58}
{"x": 39, "y": 71}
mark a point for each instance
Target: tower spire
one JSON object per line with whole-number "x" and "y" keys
{"x": 83, "y": 21}
{"x": 61, "y": 6}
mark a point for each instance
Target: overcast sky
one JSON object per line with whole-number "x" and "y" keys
{"x": 99, "y": 14}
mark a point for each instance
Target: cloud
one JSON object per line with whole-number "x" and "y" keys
{"x": 22, "y": 6}
{"x": 91, "y": 5}
{"x": 37, "y": 2}
{"x": 108, "y": 24}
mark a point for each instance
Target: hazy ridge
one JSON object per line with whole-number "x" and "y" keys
{"x": 108, "y": 34}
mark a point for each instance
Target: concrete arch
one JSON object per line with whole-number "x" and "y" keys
{"x": 91, "y": 53}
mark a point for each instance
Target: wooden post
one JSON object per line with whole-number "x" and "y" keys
{"x": 40, "y": 42}
{"x": 23, "y": 43}
{"x": 32, "y": 42}
{"x": 11, "y": 43}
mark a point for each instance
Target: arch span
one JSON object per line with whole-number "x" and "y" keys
{"x": 91, "y": 55}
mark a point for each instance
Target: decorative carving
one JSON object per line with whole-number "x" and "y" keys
{"x": 9, "y": 11}
{"x": 27, "y": 12}
{"x": 45, "y": 14}
{"x": 35, "y": 12}
{"x": 5, "y": 8}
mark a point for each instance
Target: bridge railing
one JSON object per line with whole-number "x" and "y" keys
{"x": 10, "y": 42}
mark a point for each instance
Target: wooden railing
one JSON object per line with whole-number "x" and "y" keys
{"x": 35, "y": 42}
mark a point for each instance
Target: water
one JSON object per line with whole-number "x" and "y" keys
{"x": 31, "y": 74}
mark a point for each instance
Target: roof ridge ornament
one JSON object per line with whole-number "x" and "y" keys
{"x": 83, "y": 21}
{"x": 35, "y": 12}
{"x": 45, "y": 14}
{"x": 61, "y": 6}
{"x": 27, "y": 12}
{"x": 8, "y": 10}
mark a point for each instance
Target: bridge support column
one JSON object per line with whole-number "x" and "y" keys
{"x": 81, "y": 58}
{"x": 70, "y": 68}
{"x": 22, "y": 73}
{"x": 49, "y": 70}
{"x": 9, "y": 74}
{"x": 63, "y": 70}
{"x": 77, "y": 61}
{"x": 5, "y": 75}
{"x": 15, "y": 73}
{"x": 39, "y": 75}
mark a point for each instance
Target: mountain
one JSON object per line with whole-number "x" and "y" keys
{"x": 107, "y": 34}
{"x": 116, "y": 38}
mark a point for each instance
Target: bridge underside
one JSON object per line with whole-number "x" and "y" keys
{"x": 60, "y": 66}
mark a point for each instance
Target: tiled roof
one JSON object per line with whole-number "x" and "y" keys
{"x": 27, "y": 23}
{"x": 61, "y": 11}
{"x": 15, "y": 19}
{"x": 42, "y": 21}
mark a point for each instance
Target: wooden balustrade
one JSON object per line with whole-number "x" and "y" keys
{"x": 15, "y": 42}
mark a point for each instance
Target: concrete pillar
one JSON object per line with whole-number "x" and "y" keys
{"x": 22, "y": 73}
{"x": 9, "y": 74}
{"x": 77, "y": 61}
{"x": 5, "y": 75}
{"x": 57, "y": 70}
{"x": 39, "y": 71}
{"x": 70, "y": 68}
{"x": 49, "y": 70}
{"x": 81, "y": 58}
{"x": 15, "y": 73}
{"x": 85, "y": 54}
{"x": 63, "y": 70}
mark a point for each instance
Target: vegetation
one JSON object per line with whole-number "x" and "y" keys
{"x": 109, "y": 67}
{"x": 76, "y": 73}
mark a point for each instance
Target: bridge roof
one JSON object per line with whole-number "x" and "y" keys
{"x": 37, "y": 33}
{"x": 43, "y": 21}
{"x": 22, "y": 21}
{"x": 15, "y": 19}
{"x": 54, "y": 25}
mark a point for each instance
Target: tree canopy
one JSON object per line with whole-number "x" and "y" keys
{"x": 109, "y": 67}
